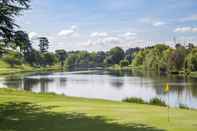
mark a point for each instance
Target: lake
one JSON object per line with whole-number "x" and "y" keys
{"x": 109, "y": 85}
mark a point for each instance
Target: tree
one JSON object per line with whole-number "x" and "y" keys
{"x": 35, "y": 58}
{"x": 22, "y": 41}
{"x": 2, "y": 48}
{"x": 190, "y": 46}
{"x": 100, "y": 56}
{"x": 154, "y": 59}
{"x": 9, "y": 9}
{"x": 129, "y": 54}
{"x": 139, "y": 58}
{"x": 44, "y": 44}
{"x": 72, "y": 60}
{"x": 61, "y": 54}
{"x": 191, "y": 60}
{"x": 177, "y": 58}
{"x": 124, "y": 63}
{"x": 13, "y": 58}
{"x": 115, "y": 54}
{"x": 49, "y": 59}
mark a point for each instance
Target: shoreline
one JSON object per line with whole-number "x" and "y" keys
{"x": 10, "y": 71}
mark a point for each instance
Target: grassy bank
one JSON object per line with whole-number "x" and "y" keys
{"x": 25, "y": 111}
{"x": 193, "y": 74}
{"x": 6, "y": 69}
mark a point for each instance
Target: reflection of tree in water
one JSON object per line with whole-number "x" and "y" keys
{"x": 30, "y": 83}
{"x": 13, "y": 82}
{"x": 44, "y": 84}
{"x": 117, "y": 83}
{"x": 158, "y": 82}
{"x": 193, "y": 86}
{"x": 62, "y": 82}
{"x": 183, "y": 87}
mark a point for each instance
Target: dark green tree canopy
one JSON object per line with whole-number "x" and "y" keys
{"x": 44, "y": 44}
{"x": 9, "y": 9}
{"x": 116, "y": 55}
{"x": 22, "y": 41}
{"x": 61, "y": 54}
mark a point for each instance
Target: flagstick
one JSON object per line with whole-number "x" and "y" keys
{"x": 168, "y": 107}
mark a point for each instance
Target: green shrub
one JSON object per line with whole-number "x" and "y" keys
{"x": 134, "y": 100}
{"x": 13, "y": 59}
{"x": 157, "y": 101}
{"x": 182, "y": 106}
{"x": 124, "y": 63}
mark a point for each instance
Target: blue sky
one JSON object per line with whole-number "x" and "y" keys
{"x": 102, "y": 24}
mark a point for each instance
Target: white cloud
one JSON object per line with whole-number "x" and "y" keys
{"x": 152, "y": 21}
{"x": 111, "y": 40}
{"x": 69, "y": 32}
{"x": 103, "y": 41}
{"x": 32, "y": 35}
{"x": 186, "y": 29}
{"x": 158, "y": 23}
{"x": 129, "y": 34}
{"x": 124, "y": 40}
{"x": 99, "y": 34}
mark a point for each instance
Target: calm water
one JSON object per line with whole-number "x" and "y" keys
{"x": 108, "y": 85}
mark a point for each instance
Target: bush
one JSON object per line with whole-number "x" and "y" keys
{"x": 157, "y": 101}
{"x": 182, "y": 106}
{"x": 13, "y": 59}
{"x": 124, "y": 63}
{"x": 134, "y": 100}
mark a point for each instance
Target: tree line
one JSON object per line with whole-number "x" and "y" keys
{"x": 163, "y": 58}
{"x": 16, "y": 48}
{"x": 12, "y": 40}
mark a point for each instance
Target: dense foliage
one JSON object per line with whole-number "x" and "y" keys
{"x": 16, "y": 49}
{"x": 9, "y": 9}
{"x": 163, "y": 58}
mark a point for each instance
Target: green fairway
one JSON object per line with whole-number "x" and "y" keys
{"x": 25, "y": 111}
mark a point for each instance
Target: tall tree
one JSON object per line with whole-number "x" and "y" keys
{"x": 22, "y": 41}
{"x": 44, "y": 44}
{"x": 177, "y": 58}
{"x": 61, "y": 56}
{"x": 9, "y": 9}
{"x": 116, "y": 55}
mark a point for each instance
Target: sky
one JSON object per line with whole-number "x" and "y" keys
{"x": 96, "y": 25}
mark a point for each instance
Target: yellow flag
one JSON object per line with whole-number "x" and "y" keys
{"x": 167, "y": 87}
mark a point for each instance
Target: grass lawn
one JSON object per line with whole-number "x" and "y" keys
{"x": 25, "y": 111}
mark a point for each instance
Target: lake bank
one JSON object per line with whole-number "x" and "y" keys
{"x": 141, "y": 69}
{"x": 26, "y": 69}
{"x": 65, "y": 113}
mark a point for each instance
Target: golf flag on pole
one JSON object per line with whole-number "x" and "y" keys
{"x": 167, "y": 88}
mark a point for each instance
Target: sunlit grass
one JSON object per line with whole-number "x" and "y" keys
{"x": 62, "y": 113}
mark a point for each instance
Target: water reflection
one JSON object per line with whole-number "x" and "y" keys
{"x": 117, "y": 83}
{"x": 113, "y": 85}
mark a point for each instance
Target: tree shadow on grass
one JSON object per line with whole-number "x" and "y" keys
{"x": 30, "y": 117}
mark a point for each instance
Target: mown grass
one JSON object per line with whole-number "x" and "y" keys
{"x": 6, "y": 70}
{"x": 26, "y": 111}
